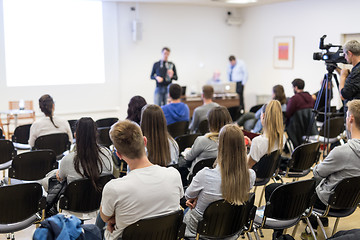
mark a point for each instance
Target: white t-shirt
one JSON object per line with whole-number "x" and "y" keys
{"x": 142, "y": 193}
{"x": 259, "y": 147}
{"x": 44, "y": 126}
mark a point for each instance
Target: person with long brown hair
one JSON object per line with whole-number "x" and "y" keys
{"x": 134, "y": 108}
{"x": 273, "y": 135}
{"x": 207, "y": 146}
{"x": 49, "y": 124}
{"x": 162, "y": 149}
{"x": 230, "y": 179}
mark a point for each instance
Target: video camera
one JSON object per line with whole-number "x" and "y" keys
{"x": 330, "y": 57}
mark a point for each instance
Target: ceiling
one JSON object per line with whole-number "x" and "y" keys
{"x": 214, "y": 3}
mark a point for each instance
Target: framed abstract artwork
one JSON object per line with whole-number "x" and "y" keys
{"x": 284, "y": 52}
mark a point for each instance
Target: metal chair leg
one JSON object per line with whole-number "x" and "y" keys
{"x": 335, "y": 226}
{"x": 321, "y": 226}
{"x": 261, "y": 233}
{"x": 249, "y": 236}
{"x": 311, "y": 228}
{"x": 256, "y": 234}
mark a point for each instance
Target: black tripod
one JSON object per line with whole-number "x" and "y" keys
{"x": 327, "y": 87}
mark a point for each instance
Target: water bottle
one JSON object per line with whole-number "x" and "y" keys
{"x": 21, "y": 104}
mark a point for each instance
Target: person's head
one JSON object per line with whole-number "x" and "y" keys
{"x": 128, "y": 139}
{"x": 154, "y": 128}
{"x": 217, "y": 118}
{"x": 232, "y": 60}
{"x": 272, "y": 121}
{"x": 208, "y": 92}
{"x": 279, "y": 94}
{"x": 298, "y": 85}
{"x": 87, "y": 151}
{"x": 353, "y": 115}
{"x": 47, "y": 106}
{"x": 165, "y": 52}
{"x": 174, "y": 91}
{"x": 134, "y": 108}
{"x": 233, "y": 165}
{"x": 352, "y": 50}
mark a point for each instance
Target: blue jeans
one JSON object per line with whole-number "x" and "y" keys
{"x": 160, "y": 97}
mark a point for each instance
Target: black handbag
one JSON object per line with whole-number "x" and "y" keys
{"x": 55, "y": 190}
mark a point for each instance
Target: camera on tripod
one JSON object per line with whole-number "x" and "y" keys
{"x": 327, "y": 56}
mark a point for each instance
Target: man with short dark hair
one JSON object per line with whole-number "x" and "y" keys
{"x": 163, "y": 72}
{"x": 146, "y": 191}
{"x": 300, "y": 100}
{"x": 238, "y": 73}
{"x": 350, "y": 81}
{"x": 200, "y": 113}
{"x": 175, "y": 111}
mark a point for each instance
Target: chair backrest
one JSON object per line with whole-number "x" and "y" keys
{"x": 165, "y": 227}
{"x": 58, "y": 142}
{"x": 103, "y": 137}
{"x": 178, "y": 128}
{"x": 19, "y": 202}
{"x": 304, "y": 156}
{"x": 336, "y": 126}
{"x": 222, "y": 219}
{"x": 81, "y": 196}
{"x": 106, "y": 122}
{"x": 21, "y": 134}
{"x": 290, "y": 200}
{"x": 209, "y": 162}
{"x": 185, "y": 141}
{"x": 267, "y": 165}
{"x": 346, "y": 194}
{"x": 203, "y": 127}
{"x": 255, "y": 108}
{"x": 33, "y": 165}
{"x": 234, "y": 112}
{"x": 249, "y": 124}
{"x": 7, "y": 151}
{"x": 72, "y": 124}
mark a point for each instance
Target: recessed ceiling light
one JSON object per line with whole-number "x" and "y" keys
{"x": 241, "y": 1}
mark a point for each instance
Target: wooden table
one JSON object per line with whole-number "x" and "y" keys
{"x": 226, "y": 100}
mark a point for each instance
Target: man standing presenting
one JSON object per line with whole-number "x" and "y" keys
{"x": 350, "y": 81}
{"x": 237, "y": 72}
{"x": 146, "y": 191}
{"x": 163, "y": 72}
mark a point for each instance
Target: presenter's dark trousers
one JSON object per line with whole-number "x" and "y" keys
{"x": 240, "y": 91}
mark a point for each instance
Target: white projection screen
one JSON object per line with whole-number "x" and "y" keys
{"x": 53, "y": 42}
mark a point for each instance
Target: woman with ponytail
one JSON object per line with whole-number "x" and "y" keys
{"x": 49, "y": 124}
{"x": 273, "y": 133}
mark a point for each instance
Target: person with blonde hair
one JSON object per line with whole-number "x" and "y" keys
{"x": 162, "y": 149}
{"x": 230, "y": 179}
{"x": 273, "y": 133}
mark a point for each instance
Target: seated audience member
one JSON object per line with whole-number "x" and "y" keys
{"x": 162, "y": 149}
{"x": 230, "y": 179}
{"x": 200, "y": 112}
{"x": 207, "y": 146}
{"x": 300, "y": 100}
{"x": 146, "y": 191}
{"x": 175, "y": 111}
{"x": 273, "y": 133}
{"x": 50, "y": 124}
{"x": 134, "y": 108}
{"x": 278, "y": 94}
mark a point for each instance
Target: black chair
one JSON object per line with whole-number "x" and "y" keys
{"x": 302, "y": 159}
{"x": 209, "y": 162}
{"x": 33, "y": 165}
{"x": 234, "y": 113}
{"x": 72, "y": 124}
{"x": 178, "y": 128}
{"x": 255, "y": 108}
{"x": 336, "y": 126}
{"x": 222, "y": 219}
{"x": 7, "y": 154}
{"x": 58, "y": 142}
{"x": 203, "y": 127}
{"x": 287, "y": 205}
{"x": 250, "y": 124}
{"x": 21, "y": 135}
{"x": 81, "y": 196}
{"x": 20, "y": 206}
{"x": 106, "y": 122}
{"x": 185, "y": 141}
{"x": 103, "y": 137}
{"x": 164, "y": 227}
{"x": 265, "y": 169}
{"x": 343, "y": 201}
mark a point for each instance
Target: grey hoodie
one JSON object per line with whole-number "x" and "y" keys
{"x": 342, "y": 162}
